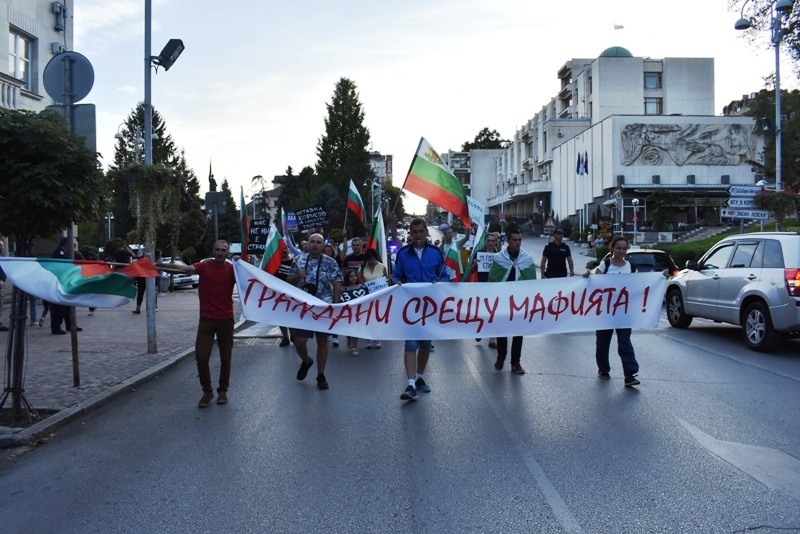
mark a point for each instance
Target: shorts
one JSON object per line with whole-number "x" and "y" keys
{"x": 307, "y": 333}
{"x": 412, "y": 345}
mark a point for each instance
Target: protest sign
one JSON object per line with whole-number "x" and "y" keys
{"x": 259, "y": 230}
{"x": 460, "y": 310}
{"x": 310, "y": 218}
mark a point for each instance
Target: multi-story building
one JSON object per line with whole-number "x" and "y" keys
{"x": 470, "y": 165}
{"x": 37, "y": 31}
{"x": 619, "y": 128}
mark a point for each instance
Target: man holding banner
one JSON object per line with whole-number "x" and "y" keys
{"x": 318, "y": 275}
{"x": 418, "y": 262}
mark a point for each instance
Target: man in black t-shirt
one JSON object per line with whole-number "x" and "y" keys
{"x": 556, "y": 257}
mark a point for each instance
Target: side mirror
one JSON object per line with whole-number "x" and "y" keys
{"x": 691, "y": 265}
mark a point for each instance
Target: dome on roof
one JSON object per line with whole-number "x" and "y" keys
{"x": 616, "y": 51}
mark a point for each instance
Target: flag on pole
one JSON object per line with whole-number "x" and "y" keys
{"x": 579, "y": 166}
{"x": 479, "y": 244}
{"x": 430, "y": 178}
{"x": 377, "y": 238}
{"x": 84, "y": 283}
{"x": 244, "y": 227}
{"x": 273, "y": 251}
{"x": 585, "y": 162}
{"x": 354, "y": 202}
{"x": 453, "y": 262}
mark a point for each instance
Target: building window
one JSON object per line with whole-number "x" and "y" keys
{"x": 653, "y": 106}
{"x": 19, "y": 58}
{"x": 652, "y": 80}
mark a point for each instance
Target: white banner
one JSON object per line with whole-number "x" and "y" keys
{"x": 460, "y": 310}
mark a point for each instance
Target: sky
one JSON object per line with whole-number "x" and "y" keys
{"x": 249, "y": 93}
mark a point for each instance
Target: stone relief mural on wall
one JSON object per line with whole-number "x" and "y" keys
{"x": 689, "y": 144}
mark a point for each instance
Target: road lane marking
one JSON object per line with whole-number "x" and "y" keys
{"x": 551, "y": 495}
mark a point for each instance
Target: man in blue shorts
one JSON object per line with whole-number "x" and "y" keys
{"x": 418, "y": 262}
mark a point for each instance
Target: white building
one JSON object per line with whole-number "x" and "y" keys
{"x": 37, "y": 30}
{"x": 620, "y": 127}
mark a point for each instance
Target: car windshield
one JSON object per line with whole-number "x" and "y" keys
{"x": 653, "y": 261}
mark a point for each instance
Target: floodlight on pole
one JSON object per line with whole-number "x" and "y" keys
{"x": 778, "y": 13}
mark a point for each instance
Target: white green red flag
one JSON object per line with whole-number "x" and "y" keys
{"x": 354, "y": 202}
{"x": 273, "y": 251}
{"x": 244, "y": 227}
{"x": 431, "y": 178}
{"x": 453, "y": 262}
{"x": 85, "y": 283}
{"x": 478, "y": 244}
{"x": 377, "y": 238}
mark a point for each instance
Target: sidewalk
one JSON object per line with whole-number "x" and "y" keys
{"x": 112, "y": 358}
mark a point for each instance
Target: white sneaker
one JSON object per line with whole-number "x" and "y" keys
{"x": 377, "y": 344}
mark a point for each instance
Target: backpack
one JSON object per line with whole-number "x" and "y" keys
{"x": 607, "y": 263}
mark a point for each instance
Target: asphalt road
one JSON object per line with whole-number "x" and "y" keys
{"x": 707, "y": 443}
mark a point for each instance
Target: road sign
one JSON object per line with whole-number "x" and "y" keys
{"x": 742, "y": 203}
{"x": 744, "y": 214}
{"x": 550, "y": 223}
{"x": 743, "y": 190}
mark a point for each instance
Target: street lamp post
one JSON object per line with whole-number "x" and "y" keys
{"x": 635, "y": 203}
{"x": 109, "y": 218}
{"x": 374, "y": 184}
{"x": 762, "y": 184}
{"x": 778, "y": 13}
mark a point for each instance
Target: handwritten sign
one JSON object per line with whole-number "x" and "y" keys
{"x": 484, "y": 261}
{"x": 310, "y": 218}
{"x": 376, "y": 285}
{"x": 257, "y": 241}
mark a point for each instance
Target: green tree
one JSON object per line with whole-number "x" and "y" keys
{"x": 342, "y": 152}
{"x": 662, "y": 203}
{"x": 50, "y": 177}
{"x": 763, "y": 108}
{"x": 178, "y": 220}
{"x": 486, "y": 139}
{"x": 758, "y": 11}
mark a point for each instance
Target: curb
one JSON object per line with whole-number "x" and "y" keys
{"x": 40, "y": 430}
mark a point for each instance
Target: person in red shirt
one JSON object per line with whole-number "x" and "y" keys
{"x": 216, "y": 318}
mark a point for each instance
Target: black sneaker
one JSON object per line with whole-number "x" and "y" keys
{"x": 284, "y": 342}
{"x": 321, "y": 382}
{"x": 631, "y": 381}
{"x": 604, "y": 375}
{"x": 222, "y": 397}
{"x": 304, "y": 367}
{"x": 422, "y": 386}
{"x": 409, "y": 394}
{"x": 205, "y": 400}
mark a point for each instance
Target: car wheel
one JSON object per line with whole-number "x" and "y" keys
{"x": 757, "y": 328}
{"x": 675, "y": 312}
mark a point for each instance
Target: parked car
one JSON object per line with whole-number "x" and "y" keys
{"x": 751, "y": 280}
{"x": 649, "y": 260}
{"x": 178, "y": 280}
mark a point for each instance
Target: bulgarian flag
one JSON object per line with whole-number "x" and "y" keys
{"x": 244, "y": 229}
{"x": 273, "y": 251}
{"x": 377, "y": 238}
{"x": 478, "y": 245}
{"x": 453, "y": 262}
{"x": 354, "y": 202}
{"x": 430, "y": 178}
{"x": 85, "y": 283}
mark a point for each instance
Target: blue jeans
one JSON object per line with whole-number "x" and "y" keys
{"x": 624, "y": 347}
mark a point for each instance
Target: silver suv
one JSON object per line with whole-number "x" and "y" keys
{"x": 752, "y": 280}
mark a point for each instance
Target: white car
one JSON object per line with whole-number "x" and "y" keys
{"x": 178, "y": 280}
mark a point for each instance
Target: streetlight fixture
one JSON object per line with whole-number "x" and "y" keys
{"x": 763, "y": 185}
{"x": 635, "y": 203}
{"x": 109, "y": 218}
{"x": 374, "y": 183}
{"x": 778, "y": 14}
